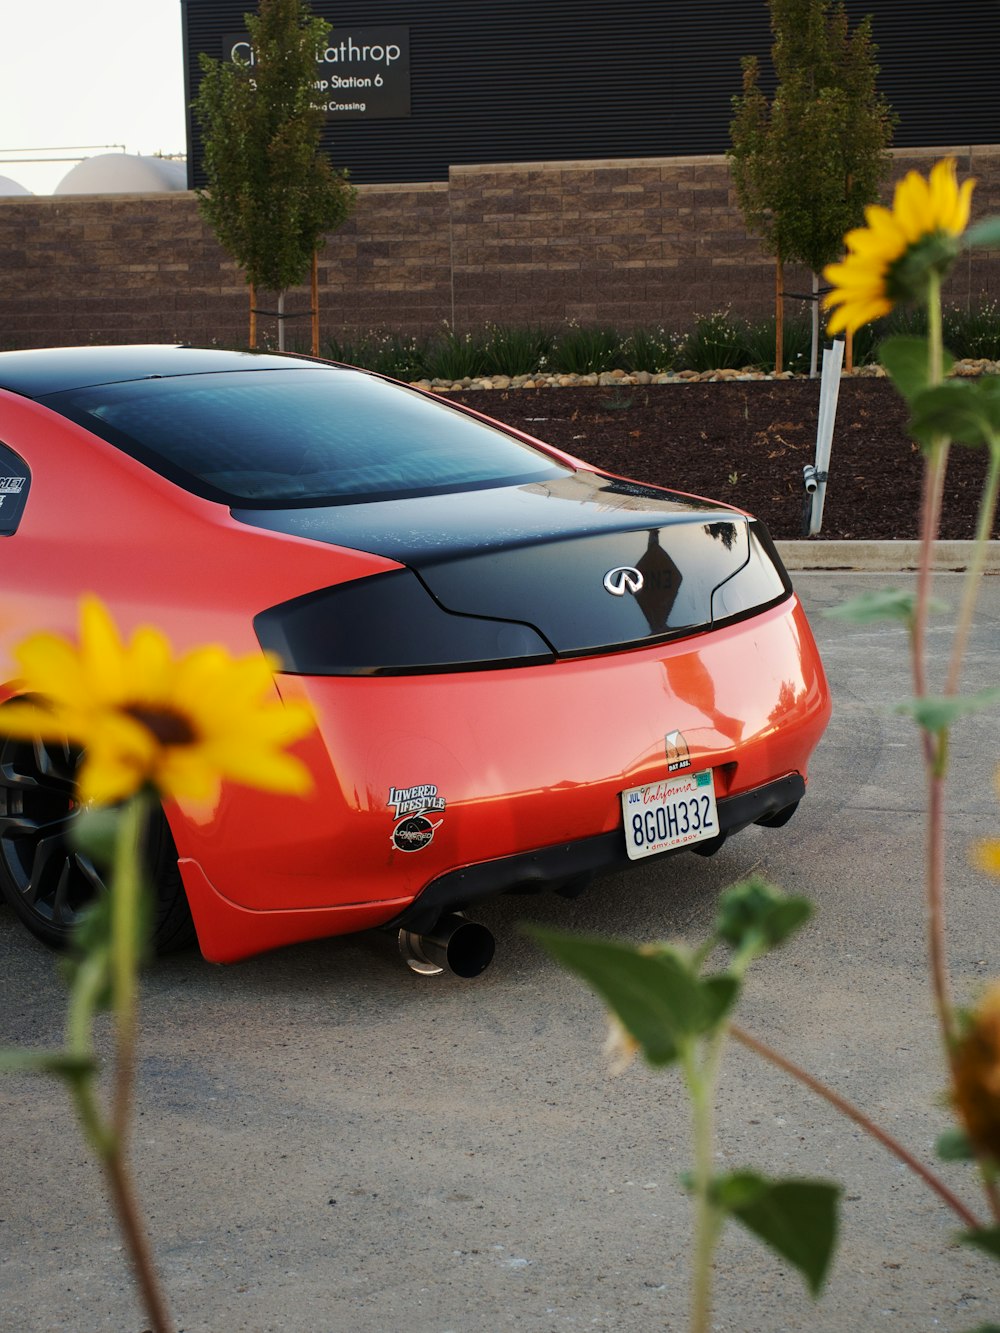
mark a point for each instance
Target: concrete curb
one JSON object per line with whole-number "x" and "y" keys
{"x": 881, "y": 557}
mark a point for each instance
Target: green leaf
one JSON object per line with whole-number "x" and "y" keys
{"x": 986, "y": 1239}
{"x": 966, "y": 411}
{"x": 954, "y": 1146}
{"x": 657, "y": 996}
{"x": 985, "y": 1328}
{"x": 984, "y": 235}
{"x": 884, "y": 604}
{"x": 906, "y": 360}
{"x": 720, "y": 992}
{"x": 60, "y": 1063}
{"x": 937, "y": 713}
{"x": 755, "y": 915}
{"x": 796, "y": 1218}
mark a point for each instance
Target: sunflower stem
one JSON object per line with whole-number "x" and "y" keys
{"x": 125, "y": 908}
{"x": 89, "y": 982}
{"x": 706, "y": 1221}
{"x": 854, "y": 1113}
{"x": 126, "y": 889}
{"x": 935, "y": 745}
{"x": 702, "y": 1080}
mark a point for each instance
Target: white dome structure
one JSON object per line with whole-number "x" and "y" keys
{"x": 11, "y": 189}
{"x": 123, "y": 173}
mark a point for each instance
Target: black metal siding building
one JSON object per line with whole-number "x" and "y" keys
{"x": 548, "y": 80}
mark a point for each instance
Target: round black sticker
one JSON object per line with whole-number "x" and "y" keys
{"x": 413, "y": 833}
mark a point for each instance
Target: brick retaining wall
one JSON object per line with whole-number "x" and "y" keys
{"x": 625, "y": 242}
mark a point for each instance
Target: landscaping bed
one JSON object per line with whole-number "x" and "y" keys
{"x": 745, "y": 442}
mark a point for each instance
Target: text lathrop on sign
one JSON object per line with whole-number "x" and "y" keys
{"x": 360, "y": 72}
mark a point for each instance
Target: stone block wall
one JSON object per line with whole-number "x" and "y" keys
{"x": 626, "y": 242}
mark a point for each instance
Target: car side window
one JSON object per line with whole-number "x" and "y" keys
{"x": 15, "y": 478}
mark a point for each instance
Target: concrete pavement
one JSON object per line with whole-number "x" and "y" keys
{"x": 327, "y": 1143}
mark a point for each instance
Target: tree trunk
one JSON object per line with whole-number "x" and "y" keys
{"x": 779, "y": 315}
{"x": 814, "y": 354}
{"x": 281, "y": 321}
{"x": 253, "y": 317}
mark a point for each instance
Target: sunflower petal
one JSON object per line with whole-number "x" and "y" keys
{"x": 222, "y": 716}
{"x": 878, "y": 270}
{"x": 986, "y": 855}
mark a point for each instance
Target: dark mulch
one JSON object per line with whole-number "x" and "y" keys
{"x": 745, "y": 442}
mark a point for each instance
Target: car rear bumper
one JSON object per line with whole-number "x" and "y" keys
{"x": 569, "y": 866}
{"x": 437, "y": 790}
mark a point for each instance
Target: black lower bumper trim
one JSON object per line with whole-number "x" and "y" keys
{"x": 567, "y": 863}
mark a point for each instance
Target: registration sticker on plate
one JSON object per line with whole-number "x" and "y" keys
{"x": 671, "y": 813}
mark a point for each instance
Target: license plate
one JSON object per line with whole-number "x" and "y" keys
{"x": 672, "y": 813}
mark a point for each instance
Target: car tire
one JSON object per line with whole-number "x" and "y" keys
{"x": 45, "y": 880}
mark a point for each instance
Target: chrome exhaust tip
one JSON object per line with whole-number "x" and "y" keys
{"x": 456, "y": 945}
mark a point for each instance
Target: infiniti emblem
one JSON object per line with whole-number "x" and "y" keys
{"x": 624, "y": 578}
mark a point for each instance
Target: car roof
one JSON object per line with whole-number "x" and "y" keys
{"x": 48, "y": 370}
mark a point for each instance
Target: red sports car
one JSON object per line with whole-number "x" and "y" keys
{"x": 525, "y": 671}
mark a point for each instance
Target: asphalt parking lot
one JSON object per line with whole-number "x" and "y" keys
{"x": 329, "y": 1143}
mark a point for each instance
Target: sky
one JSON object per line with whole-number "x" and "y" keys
{"x": 87, "y": 72}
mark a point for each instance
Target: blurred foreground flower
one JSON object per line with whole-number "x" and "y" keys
{"x": 986, "y": 853}
{"x": 977, "y": 1075}
{"x": 620, "y": 1046}
{"x": 144, "y": 717}
{"x": 893, "y": 258}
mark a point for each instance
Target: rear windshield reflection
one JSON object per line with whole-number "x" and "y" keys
{"x": 301, "y": 436}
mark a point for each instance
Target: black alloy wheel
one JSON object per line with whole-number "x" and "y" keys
{"x": 46, "y": 881}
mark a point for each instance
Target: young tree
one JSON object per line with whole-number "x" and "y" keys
{"x": 806, "y": 164}
{"x": 271, "y": 195}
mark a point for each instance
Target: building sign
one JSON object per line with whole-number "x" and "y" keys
{"x": 361, "y": 73}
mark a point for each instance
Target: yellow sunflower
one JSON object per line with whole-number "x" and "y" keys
{"x": 144, "y": 717}
{"x": 890, "y": 259}
{"x": 977, "y": 1075}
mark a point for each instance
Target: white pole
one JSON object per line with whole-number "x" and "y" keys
{"x": 829, "y": 393}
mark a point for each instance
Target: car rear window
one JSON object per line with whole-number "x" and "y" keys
{"x": 301, "y": 436}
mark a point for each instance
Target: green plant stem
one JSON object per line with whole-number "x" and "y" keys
{"x": 125, "y": 956}
{"x": 858, "y": 1116}
{"x": 83, "y": 1000}
{"x": 973, "y": 576}
{"x": 125, "y": 909}
{"x": 935, "y": 745}
{"x": 936, "y": 945}
{"x": 933, "y": 490}
{"x": 936, "y": 749}
{"x": 702, "y": 1081}
{"x": 935, "y": 470}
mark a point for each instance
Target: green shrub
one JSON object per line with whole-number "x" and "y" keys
{"x": 577, "y": 350}
{"x": 758, "y": 341}
{"x": 455, "y": 356}
{"x": 512, "y": 350}
{"x": 716, "y": 342}
{"x": 973, "y": 333}
{"x": 652, "y": 350}
{"x": 905, "y": 320}
{"x": 398, "y": 355}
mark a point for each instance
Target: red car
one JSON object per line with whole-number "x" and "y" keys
{"x": 525, "y": 672}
